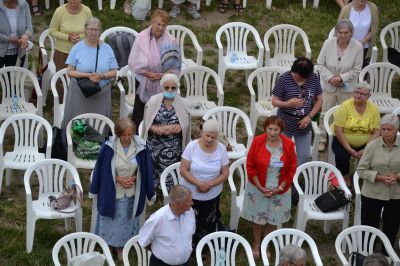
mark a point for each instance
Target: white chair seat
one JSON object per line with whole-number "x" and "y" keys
{"x": 6, "y": 110}
{"x": 188, "y": 63}
{"x": 22, "y": 160}
{"x": 265, "y": 108}
{"x": 284, "y": 61}
{"x": 243, "y": 61}
{"x": 238, "y": 150}
{"x": 84, "y": 164}
{"x": 386, "y": 105}
{"x": 199, "y": 106}
{"x": 44, "y": 211}
{"x": 314, "y": 213}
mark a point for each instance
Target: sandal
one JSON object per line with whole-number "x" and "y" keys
{"x": 239, "y": 8}
{"x": 36, "y": 11}
{"x": 223, "y": 7}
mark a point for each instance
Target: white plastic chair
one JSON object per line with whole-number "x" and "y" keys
{"x": 196, "y": 80}
{"x": 223, "y": 246}
{"x": 142, "y": 255}
{"x": 235, "y": 35}
{"x": 105, "y": 33}
{"x": 361, "y": 239}
{"x": 127, "y": 98}
{"x": 59, "y": 107}
{"x": 261, "y": 102}
{"x": 27, "y": 131}
{"x": 229, "y": 118}
{"x": 47, "y": 2}
{"x": 180, "y": 33}
{"x": 12, "y": 81}
{"x": 47, "y": 48}
{"x": 53, "y": 176}
{"x": 328, "y": 119}
{"x": 390, "y": 37}
{"x": 76, "y": 244}
{"x": 315, "y": 4}
{"x": 237, "y": 171}
{"x": 357, "y": 201}
{"x": 174, "y": 171}
{"x": 282, "y": 237}
{"x": 381, "y": 76}
{"x": 284, "y": 38}
{"x": 316, "y": 174}
{"x": 396, "y": 111}
{"x": 101, "y": 124}
{"x": 374, "y": 53}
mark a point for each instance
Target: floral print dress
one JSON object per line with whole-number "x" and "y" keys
{"x": 267, "y": 210}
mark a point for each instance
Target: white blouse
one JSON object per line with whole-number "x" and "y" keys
{"x": 362, "y": 23}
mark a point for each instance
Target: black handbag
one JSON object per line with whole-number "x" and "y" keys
{"x": 87, "y": 86}
{"x": 357, "y": 259}
{"x": 331, "y": 200}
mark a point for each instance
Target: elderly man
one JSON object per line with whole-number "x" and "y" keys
{"x": 168, "y": 232}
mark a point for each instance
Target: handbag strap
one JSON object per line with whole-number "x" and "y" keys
{"x": 97, "y": 57}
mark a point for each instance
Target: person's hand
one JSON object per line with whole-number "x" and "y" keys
{"x": 360, "y": 153}
{"x": 74, "y": 37}
{"x": 295, "y": 103}
{"x": 14, "y": 40}
{"x": 203, "y": 187}
{"x": 389, "y": 179}
{"x": 126, "y": 181}
{"x": 154, "y": 76}
{"x": 271, "y": 192}
{"x": 336, "y": 81}
{"x": 96, "y": 77}
{"x": 303, "y": 123}
{"x": 354, "y": 153}
{"x": 23, "y": 42}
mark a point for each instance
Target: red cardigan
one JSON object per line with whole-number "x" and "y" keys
{"x": 258, "y": 159}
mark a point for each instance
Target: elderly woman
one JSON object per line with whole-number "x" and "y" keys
{"x": 298, "y": 96}
{"x": 67, "y": 27}
{"x": 339, "y": 64}
{"x": 166, "y": 127}
{"x": 271, "y": 164}
{"x": 122, "y": 178}
{"x": 82, "y": 64}
{"x": 355, "y": 123}
{"x": 15, "y": 31}
{"x": 364, "y": 16}
{"x": 292, "y": 255}
{"x": 380, "y": 168}
{"x": 204, "y": 169}
{"x": 153, "y": 53}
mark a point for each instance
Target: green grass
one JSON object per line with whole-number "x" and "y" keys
{"x": 315, "y": 22}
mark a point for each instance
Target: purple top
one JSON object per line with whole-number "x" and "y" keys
{"x": 285, "y": 89}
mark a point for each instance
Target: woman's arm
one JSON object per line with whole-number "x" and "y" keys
{"x": 294, "y": 102}
{"x": 185, "y": 173}
{"x": 221, "y": 178}
{"x": 73, "y": 73}
{"x": 316, "y": 108}
{"x": 339, "y": 133}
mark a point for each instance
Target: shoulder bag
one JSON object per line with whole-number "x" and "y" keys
{"x": 331, "y": 200}
{"x": 87, "y": 86}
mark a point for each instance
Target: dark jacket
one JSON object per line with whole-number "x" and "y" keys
{"x": 103, "y": 180}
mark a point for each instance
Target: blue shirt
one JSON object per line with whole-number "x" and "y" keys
{"x": 83, "y": 58}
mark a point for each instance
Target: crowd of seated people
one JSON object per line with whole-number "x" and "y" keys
{"x": 299, "y": 94}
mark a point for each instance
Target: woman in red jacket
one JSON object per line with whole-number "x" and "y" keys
{"x": 271, "y": 164}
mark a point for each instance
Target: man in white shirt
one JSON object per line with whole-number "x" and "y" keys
{"x": 168, "y": 232}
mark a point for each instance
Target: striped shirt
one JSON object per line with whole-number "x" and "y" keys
{"x": 285, "y": 89}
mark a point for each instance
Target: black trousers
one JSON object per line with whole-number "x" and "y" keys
{"x": 371, "y": 211}
{"x": 138, "y": 109}
{"x": 154, "y": 261}
{"x": 342, "y": 157}
{"x": 10, "y": 60}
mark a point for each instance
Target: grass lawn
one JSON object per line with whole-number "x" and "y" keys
{"x": 315, "y": 22}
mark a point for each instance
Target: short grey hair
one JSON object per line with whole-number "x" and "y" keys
{"x": 93, "y": 20}
{"x": 212, "y": 125}
{"x": 363, "y": 85}
{"x": 179, "y": 193}
{"x": 291, "y": 253}
{"x": 344, "y": 23}
{"x": 169, "y": 77}
{"x": 390, "y": 119}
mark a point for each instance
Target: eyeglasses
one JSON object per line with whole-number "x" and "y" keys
{"x": 360, "y": 93}
{"x": 169, "y": 87}
{"x": 92, "y": 29}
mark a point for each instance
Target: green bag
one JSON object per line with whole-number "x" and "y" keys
{"x": 83, "y": 148}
